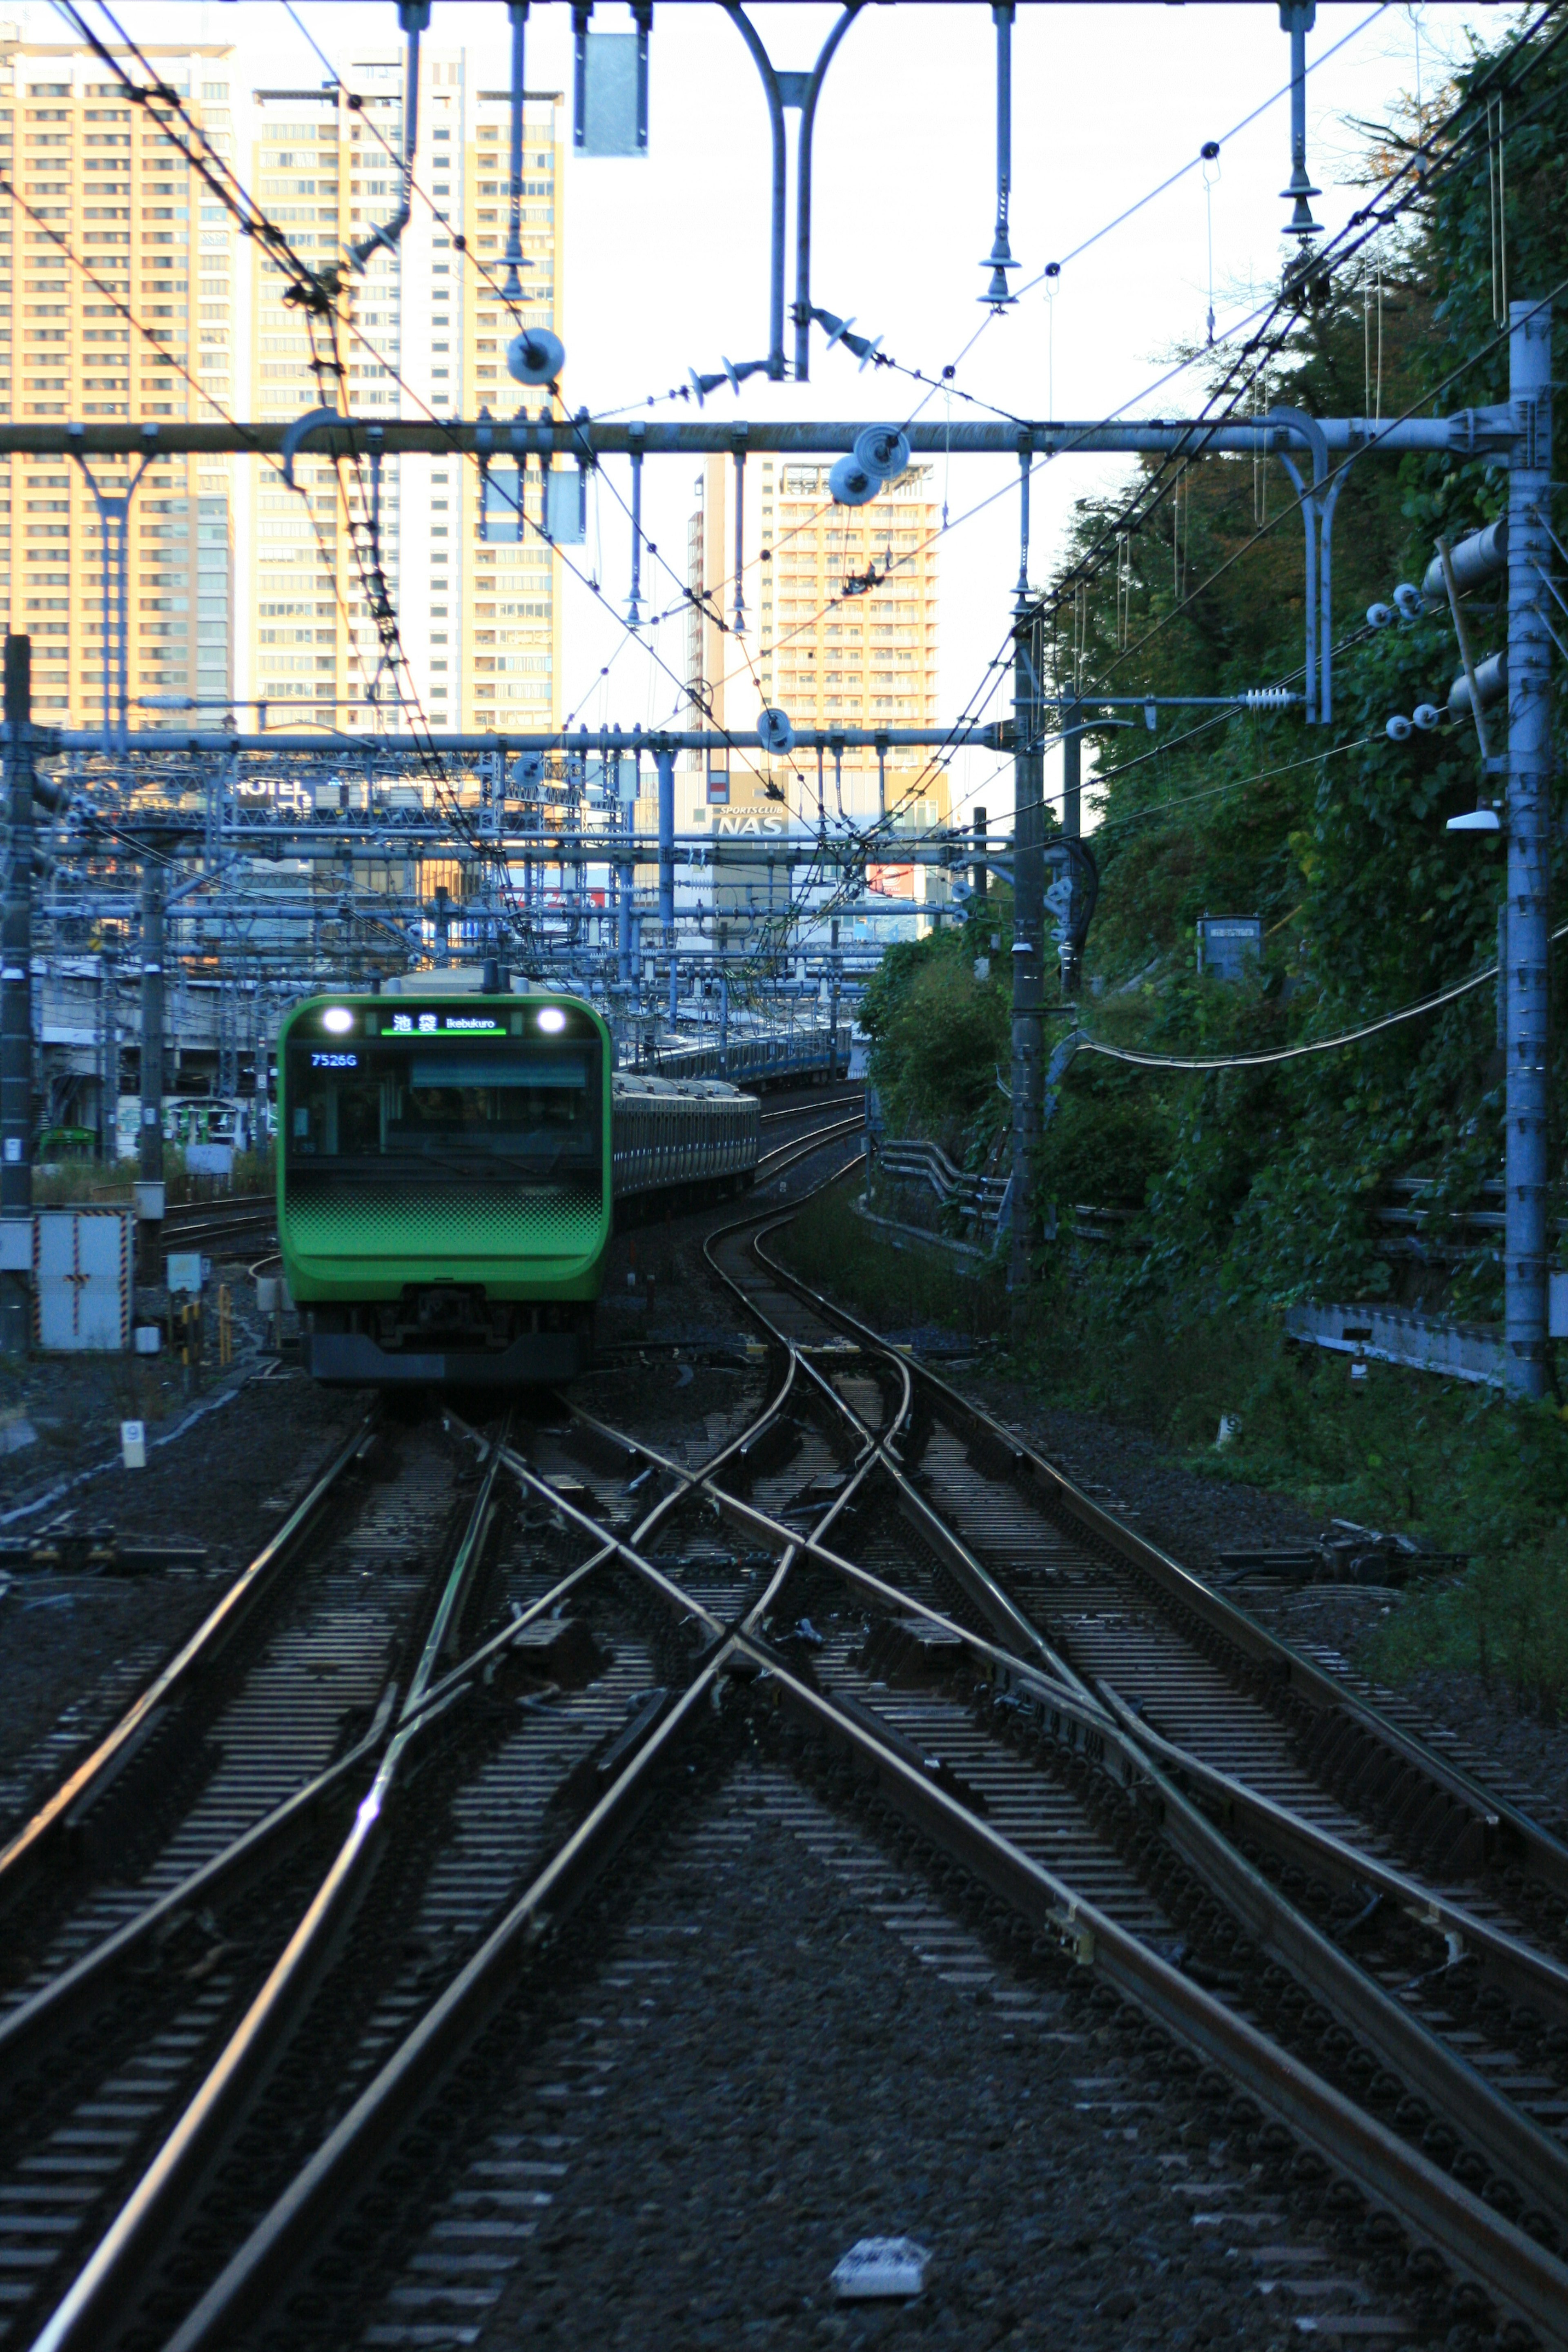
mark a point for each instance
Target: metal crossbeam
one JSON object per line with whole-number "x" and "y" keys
{"x": 1472, "y": 431}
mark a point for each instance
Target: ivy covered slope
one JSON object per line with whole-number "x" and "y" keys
{"x": 1256, "y": 1188}
{"x": 1251, "y": 1189}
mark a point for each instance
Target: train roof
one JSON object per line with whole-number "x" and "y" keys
{"x": 636, "y": 1082}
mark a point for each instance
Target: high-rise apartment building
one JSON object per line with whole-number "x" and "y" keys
{"x": 836, "y": 625}
{"x": 103, "y": 189}
{"x": 426, "y": 334}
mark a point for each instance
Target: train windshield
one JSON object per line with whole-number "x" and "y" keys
{"x": 498, "y": 1109}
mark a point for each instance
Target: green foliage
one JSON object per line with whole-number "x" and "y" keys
{"x": 900, "y": 1288}
{"x": 1245, "y": 1190}
{"x": 81, "y": 1182}
{"x": 1507, "y": 1619}
{"x": 1259, "y": 1188}
{"x": 940, "y": 1035}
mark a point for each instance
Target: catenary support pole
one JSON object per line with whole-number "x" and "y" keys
{"x": 109, "y": 1082}
{"x": 1529, "y": 830}
{"x": 1028, "y": 937}
{"x": 17, "y": 986}
{"x": 151, "y": 1154}
{"x": 666, "y": 763}
{"x": 835, "y": 978}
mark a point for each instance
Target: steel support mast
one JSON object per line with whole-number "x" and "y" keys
{"x": 17, "y": 986}
{"x": 1529, "y": 818}
{"x": 1028, "y": 943}
{"x": 151, "y": 1155}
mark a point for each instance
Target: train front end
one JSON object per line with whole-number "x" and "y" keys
{"x": 443, "y": 1186}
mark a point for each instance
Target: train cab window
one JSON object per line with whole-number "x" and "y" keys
{"x": 415, "y": 1105}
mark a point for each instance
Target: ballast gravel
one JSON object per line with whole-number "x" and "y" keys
{"x": 75, "y": 1650}
{"x": 773, "y": 2059}
{"x": 1196, "y": 1518}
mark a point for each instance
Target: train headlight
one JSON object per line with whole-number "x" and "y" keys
{"x": 337, "y": 1018}
{"x": 551, "y": 1020}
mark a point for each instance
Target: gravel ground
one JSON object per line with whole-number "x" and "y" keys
{"x": 1195, "y": 1518}
{"x": 74, "y": 1650}
{"x": 768, "y": 2060}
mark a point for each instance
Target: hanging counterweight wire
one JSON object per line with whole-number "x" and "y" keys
{"x": 1211, "y": 179}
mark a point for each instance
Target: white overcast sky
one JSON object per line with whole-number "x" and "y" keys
{"x": 667, "y": 259}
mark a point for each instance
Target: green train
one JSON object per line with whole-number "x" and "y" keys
{"x": 449, "y": 1172}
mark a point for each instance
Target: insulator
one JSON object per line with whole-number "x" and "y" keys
{"x": 1380, "y": 617}
{"x": 1427, "y": 715}
{"x": 1480, "y": 557}
{"x": 1398, "y": 730}
{"x": 851, "y": 484}
{"x": 774, "y": 733}
{"x": 1409, "y": 601}
{"x": 1268, "y": 697}
{"x": 882, "y": 449}
{"x": 1491, "y": 684}
{"x": 536, "y": 356}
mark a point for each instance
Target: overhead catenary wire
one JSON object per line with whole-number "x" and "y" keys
{"x": 1311, "y": 1046}
{"x": 826, "y": 608}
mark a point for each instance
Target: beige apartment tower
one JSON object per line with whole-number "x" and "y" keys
{"x": 424, "y": 334}
{"x": 109, "y": 220}
{"x": 835, "y": 623}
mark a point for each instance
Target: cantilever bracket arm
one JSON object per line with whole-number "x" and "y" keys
{"x": 802, "y": 165}
{"x": 1317, "y": 505}
{"x": 1309, "y": 430}
{"x": 315, "y": 420}
{"x": 764, "y": 63}
{"x": 415, "y": 18}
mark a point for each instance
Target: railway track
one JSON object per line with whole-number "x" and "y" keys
{"x": 212, "y": 1225}
{"x": 206, "y": 1797}
{"x": 1331, "y": 1932}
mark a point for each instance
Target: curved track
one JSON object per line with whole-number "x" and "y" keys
{"x": 1357, "y": 1953}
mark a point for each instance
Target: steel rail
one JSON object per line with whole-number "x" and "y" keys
{"x": 801, "y": 1146}
{"x": 275, "y": 2248}
{"x": 833, "y": 1102}
{"x": 1470, "y": 2234}
{"x": 1499, "y": 1821}
{"x": 1103, "y": 1716}
{"x": 1526, "y": 1973}
{"x": 1535, "y": 2163}
{"x": 98, "y": 2303}
{"x": 50, "y": 1825}
{"x": 62, "y": 2004}
{"x": 1005, "y": 1618}
{"x": 106, "y": 2288}
{"x": 1514, "y": 2268}
{"x": 1507, "y": 2262}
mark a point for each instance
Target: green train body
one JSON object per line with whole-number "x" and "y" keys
{"x": 449, "y": 1171}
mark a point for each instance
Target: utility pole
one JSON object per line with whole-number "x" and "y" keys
{"x": 1529, "y": 764}
{"x": 833, "y": 1009}
{"x": 108, "y": 1083}
{"x": 17, "y": 986}
{"x": 665, "y": 761}
{"x": 1028, "y": 941}
{"x": 150, "y": 1193}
